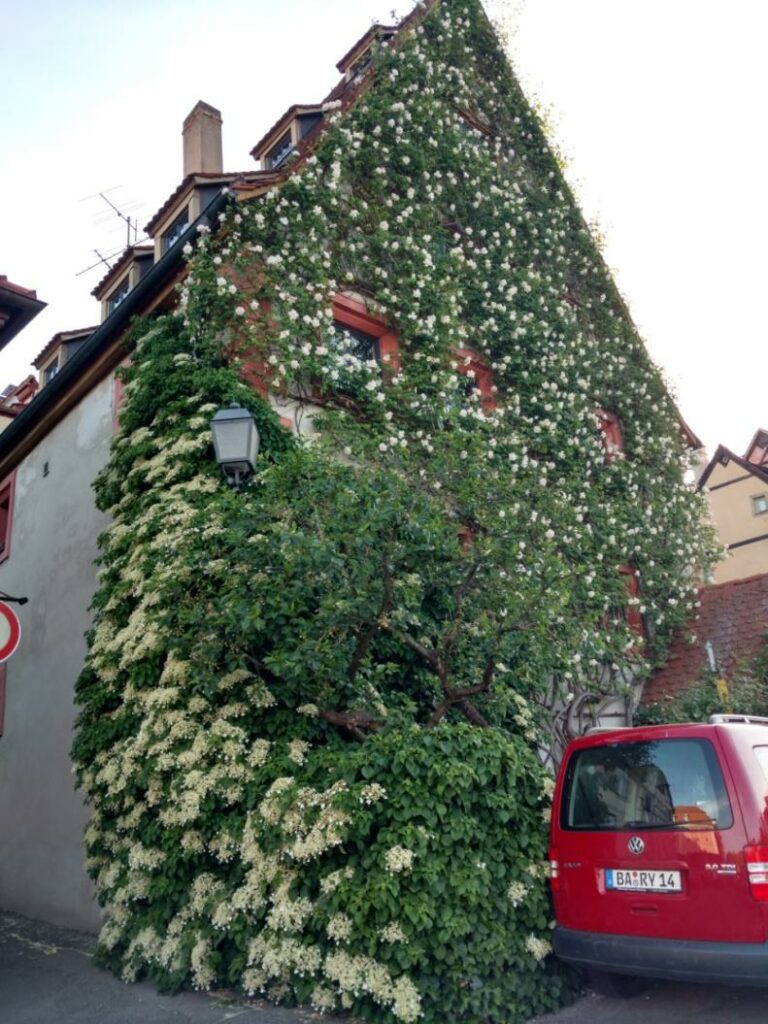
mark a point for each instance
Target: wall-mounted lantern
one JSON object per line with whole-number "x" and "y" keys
{"x": 236, "y": 440}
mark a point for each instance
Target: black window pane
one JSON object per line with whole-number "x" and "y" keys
{"x": 674, "y": 784}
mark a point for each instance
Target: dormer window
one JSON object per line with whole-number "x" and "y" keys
{"x": 50, "y": 371}
{"x": 358, "y": 59}
{"x": 280, "y": 152}
{"x": 118, "y": 296}
{"x": 176, "y": 230}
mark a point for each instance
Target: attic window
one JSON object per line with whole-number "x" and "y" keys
{"x": 279, "y": 152}
{"x": 118, "y": 295}
{"x": 50, "y": 371}
{"x": 760, "y": 504}
{"x": 176, "y": 230}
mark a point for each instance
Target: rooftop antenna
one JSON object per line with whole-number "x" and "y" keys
{"x": 131, "y": 227}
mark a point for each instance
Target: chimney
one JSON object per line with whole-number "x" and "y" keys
{"x": 202, "y": 140}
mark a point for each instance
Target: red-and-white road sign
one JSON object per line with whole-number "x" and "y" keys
{"x": 10, "y": 631}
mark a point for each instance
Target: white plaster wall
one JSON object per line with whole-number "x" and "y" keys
{"x": 53, "y": 545}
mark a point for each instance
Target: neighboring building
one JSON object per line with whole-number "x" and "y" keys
{"x": 730, "y": 625}
{"x": 737, "y": 487}
{"x": 51, "y": 452}
{"x": 17, "y": 307}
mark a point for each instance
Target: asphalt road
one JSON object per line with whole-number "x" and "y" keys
{"x": 47, "y": 976}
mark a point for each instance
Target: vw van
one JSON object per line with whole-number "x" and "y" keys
{"x": 659, "y": 854}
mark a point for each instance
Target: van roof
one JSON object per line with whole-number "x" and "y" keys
{"x": 596, "y": 738}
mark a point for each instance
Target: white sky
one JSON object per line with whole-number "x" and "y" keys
{"x": 659, "y": 105}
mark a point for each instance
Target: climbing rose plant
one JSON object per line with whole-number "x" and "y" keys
{"x": 313, "y": 710}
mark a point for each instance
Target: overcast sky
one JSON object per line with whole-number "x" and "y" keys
{"x": 659, "y": 106}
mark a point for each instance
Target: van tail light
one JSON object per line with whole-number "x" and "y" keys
{"x": 756, "y": 858}
{"x": 554, "y": 871}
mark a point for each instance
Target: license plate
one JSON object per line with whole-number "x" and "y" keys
{"x": 640, "y": 880}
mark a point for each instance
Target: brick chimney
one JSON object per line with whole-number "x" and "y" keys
{"x": 202, "y": 140}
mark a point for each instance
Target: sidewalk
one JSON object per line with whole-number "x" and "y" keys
{"x": 47, "y": 976}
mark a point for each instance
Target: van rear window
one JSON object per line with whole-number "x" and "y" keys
{"x": 664, "y": 784}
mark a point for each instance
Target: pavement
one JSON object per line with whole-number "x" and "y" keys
{"x": 47, "y": 976}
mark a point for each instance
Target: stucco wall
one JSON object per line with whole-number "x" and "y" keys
{"x": 731, "y": 490}
{"x": 53, "y": 545}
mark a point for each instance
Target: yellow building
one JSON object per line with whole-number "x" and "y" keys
{"x": 737, "y": 487}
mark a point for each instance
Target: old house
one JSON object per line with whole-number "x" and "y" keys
{"x": 506, "y": 295}
{"x": 737, "y": 489}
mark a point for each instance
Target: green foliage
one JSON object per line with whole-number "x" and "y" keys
{"x": 276, "y": 716}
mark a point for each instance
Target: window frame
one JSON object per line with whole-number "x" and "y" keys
{"x": 469, "y": 359}
{"x": 611, "y": 433}
{"x": 119, "y": 295}
{"x": 354, "y": 314}
{"x": 175, "y": 230}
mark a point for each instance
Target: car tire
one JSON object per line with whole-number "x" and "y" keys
{"x": 617, "y": 986}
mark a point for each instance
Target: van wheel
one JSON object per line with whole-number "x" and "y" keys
{"x": 618, "y": 986}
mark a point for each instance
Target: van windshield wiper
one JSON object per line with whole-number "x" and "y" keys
{"x": 649, "y": 824}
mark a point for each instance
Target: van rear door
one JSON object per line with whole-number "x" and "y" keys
{"x": 649, "y": 841}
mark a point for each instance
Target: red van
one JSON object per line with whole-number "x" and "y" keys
{"x": 659, "y": 854}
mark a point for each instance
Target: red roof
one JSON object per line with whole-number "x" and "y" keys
{"x": 11, "y": 287}
{"x": 733, "y": 618}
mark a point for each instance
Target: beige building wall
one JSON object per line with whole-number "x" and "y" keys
{"x": 731, "y": 492}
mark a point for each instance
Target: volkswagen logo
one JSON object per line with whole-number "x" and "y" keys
{"x": 635, "y": 845}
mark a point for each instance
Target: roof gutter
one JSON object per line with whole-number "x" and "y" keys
{"x": 116, "y": 323}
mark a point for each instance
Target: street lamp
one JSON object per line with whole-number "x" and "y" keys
{"x": 236, "y": 441}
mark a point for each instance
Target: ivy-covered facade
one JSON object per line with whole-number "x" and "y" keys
{"x": 313, "y": 710}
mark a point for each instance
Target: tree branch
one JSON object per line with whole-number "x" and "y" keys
{"x": 365, "y": 638}
{"x": 353, "y": 722}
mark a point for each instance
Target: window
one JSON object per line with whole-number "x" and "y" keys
{"x": 629, "y": 612}
{"x": 671, "y": 784}
{"x": 50, "y": 371}
{"x": 279, "y": 152}
{"x": 479, "y": 377}
{"x": 176, "y": 230}
{"x": 365, "y": 335}
{"x": 610, "y": 430}
{"x": 118, "y": 295}
{"x": 760, "y": 504}
{"x": 6, "y": 513}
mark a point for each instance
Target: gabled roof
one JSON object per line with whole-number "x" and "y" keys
{"x": 723, "y": 456}
{"x": 193, "y": 180}
{"x": 17, "y": 307}
{"x": 133, "y": 252}
{"x": 61, "y": 338}
{"x": 277, "y": 129}
{"x": 362, "y": 44}
{"x": 759, "y": 441}
{"x": 733, "y": 618}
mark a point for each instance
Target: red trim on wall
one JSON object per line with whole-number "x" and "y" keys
{"x": 612, "y": 436}
{"x": 633, "y": 614}
{"x": 471, "y": 360}
{"x": 353, "y": 313}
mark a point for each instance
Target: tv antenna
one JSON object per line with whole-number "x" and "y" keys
{"x": 124, "y": 214}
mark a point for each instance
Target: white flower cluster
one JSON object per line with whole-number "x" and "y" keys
{"x": 398, "y": 859}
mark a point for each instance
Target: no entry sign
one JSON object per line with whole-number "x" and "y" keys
{"x": 10, "y": 631}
